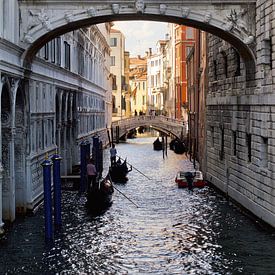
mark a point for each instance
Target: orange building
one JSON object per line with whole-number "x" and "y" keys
{"x": 184, "y": 41}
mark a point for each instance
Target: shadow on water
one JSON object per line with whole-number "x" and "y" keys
{"x": 172, "y": 232}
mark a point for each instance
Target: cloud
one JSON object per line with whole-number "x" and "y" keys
{"x": 141, "y": 35}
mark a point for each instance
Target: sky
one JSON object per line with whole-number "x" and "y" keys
{"x": 141, "y": 35}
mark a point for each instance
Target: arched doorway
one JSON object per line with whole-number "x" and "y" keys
{"x": 8, "y": 197}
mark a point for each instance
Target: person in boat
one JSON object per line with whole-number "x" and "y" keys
{"x": 91, "y": 173}
{"x": 113, "y": 153}
{"x": 189, "y": 178}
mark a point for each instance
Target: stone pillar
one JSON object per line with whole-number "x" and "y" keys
{"x": 1, "y": 21}
{"x": 1, "y": 167}
{"x": 12, "y": 177}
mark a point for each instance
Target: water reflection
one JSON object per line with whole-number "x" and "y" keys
{"x": 171, "y": 232}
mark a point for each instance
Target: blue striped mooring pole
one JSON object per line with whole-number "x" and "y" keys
{"x": 46, "y": 164}
{"x": 57, "y": 190}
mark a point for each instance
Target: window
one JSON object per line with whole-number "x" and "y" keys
{"x": 143, "y": 99}
{"x": 113, "y": 60}
{"x": 67, "y": 55}
{"x": 52, "y": 45}
{"x": 189, "y": 33}
{"x": 225, "y": 71}
{"x": 212, "y": 137}
{"x": 58, "y": 51}
{"x": 248, "y": 143}
{"x": 264, "y": 152}
{"x": 152, "y": 63}
{"x": 113, "y": 42}
{"x": 234, "y": 143}
{"x": 215, "y": 75}
{"x": 188, "y": 50}
{"x": 143, "y": 83}
{"x": 152, "y": 80}
{"x": 222, "y": 144}
{"x": 238, "y": 61}
{"x": 46, "y": 51}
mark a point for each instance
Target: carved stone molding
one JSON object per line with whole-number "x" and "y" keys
{"x": 207, "y": 17}
{"x": 185, "y": 12}
{"x": 140, "y": 6}
{"x": 162, "y": 9}
{"x": 39, "y": 17}
{"x": 235, "y": 20}
{"x": 115, "y": 8}
{"x": 92, "y": 11}
{"x": 68, "y": 17}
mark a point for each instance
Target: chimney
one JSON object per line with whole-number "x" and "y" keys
{"x": 150, "y": 51}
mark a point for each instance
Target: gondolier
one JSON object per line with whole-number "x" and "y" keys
{"x": 113, "y": 153}
{"x": 91, "y": 173}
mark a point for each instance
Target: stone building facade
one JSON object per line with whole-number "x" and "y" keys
{"x": 240, "y": 119}
{"x": 63, "y": 100}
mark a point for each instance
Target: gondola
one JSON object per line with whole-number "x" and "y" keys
{"x": 99, "y": 197}
{"x": 118, "y": 171}
{"x": 157, "y": 145}
{"x": 179, "y": 147}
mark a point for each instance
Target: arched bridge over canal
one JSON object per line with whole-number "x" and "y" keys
{"x": 163, "y": 124}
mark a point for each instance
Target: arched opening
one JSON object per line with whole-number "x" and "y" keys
{"x": 202, "y": 20}
{"x": 20, "y": 152}
{"x": 8, "y": 199}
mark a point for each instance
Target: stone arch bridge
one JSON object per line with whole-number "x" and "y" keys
{"x": 163, "y": 124}
{"x": 234, "y": 20}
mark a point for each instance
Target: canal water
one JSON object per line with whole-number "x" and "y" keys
{"x": 171, "y": 232}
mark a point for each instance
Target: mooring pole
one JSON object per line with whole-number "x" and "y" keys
{"x": 96, "y": 152}
{"x": 162, "y": 141}
{"x": 57, "y": 190}
{"x": 46, "y": 164}
{"x": 166, "y": 145}
{"x": 83, "y": 166}
{"x": 109, "y": 138}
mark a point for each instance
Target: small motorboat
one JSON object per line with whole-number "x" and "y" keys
{"x": 157, "y": 145}
{"x": 198, "y": 180}
{"x": 99, "y": 197}
{"x": 118, "y": 171}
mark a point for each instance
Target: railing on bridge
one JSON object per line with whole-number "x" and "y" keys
{"x": 160, "y": 122}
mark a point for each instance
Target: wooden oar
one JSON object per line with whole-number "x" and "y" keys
{"x": 122, "y": 193}
{"x": 136, "y": 169}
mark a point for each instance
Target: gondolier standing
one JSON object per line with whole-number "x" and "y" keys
{"x": 91, "y": 173}
{"x": 113, "y": 153}
{"x": 189, "y": 178}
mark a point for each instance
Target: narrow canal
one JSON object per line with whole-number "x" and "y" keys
{"x": 172, "y": 232}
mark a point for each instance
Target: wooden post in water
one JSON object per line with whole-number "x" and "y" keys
{"x": 112, "y": 135}
{"x": 162, "y": 140}
{"x": 109, "y": 138}
{"x": 166, "y": 145}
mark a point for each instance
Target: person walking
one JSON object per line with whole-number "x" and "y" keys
{"x": 91, "y": 173}
{"x": 113, "y": 153}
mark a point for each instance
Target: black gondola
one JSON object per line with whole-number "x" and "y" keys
{"x": 172, "y": 144}
{"x": 157, "y": 145}
{"x": 179, "y": 147}
{"x": 118, "y": 171}
{"x": 99, "y": 197}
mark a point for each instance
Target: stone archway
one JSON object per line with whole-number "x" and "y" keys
{"x": 234, "y": 22}
{"x": 8, "y": 199}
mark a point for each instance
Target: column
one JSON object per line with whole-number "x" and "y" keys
{"x": 1, "y": 167}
